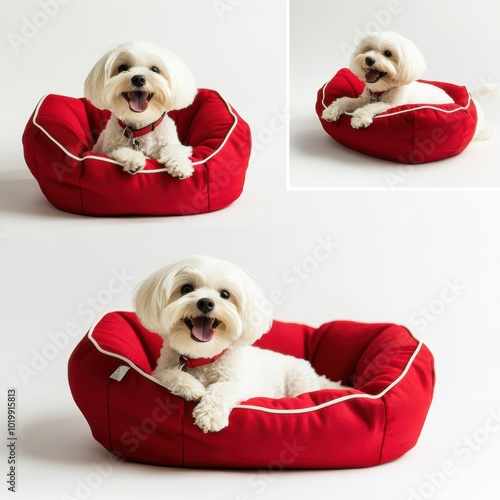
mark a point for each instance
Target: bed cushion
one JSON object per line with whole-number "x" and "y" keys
{"x": 378, "y": 420}
{"x": 416, "y": 133}
{"x": 60, "y": 135}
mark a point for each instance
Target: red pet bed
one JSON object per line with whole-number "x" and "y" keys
{"x": 405, "y": 134}
{"x": 61, "y": 133}
{"x": 377, "y": 421}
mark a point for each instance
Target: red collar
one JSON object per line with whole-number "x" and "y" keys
{"x": 185, "y": 362}
{"x": 375, "y": 95}
{"x": 130, "y": 132}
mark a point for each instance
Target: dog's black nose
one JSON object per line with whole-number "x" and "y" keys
{"x": 205, "y": 305}
{"x": 138, "y": 80}
{"x": 369, "y": 61}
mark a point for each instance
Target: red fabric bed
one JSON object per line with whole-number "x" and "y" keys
{"x": 377, "y": 421}
{"x": 60, "y": 135}
{"x": 405, "y": 134}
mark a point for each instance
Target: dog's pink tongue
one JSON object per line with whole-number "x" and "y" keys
{"x": 202, "y": 328}
{"x": 138, "y": 101}
{"x": 372, "y": 76}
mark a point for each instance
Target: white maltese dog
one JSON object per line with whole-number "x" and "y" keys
{"x": 209, "y": 312}
{"x": 389, "y": 64}
{"x": 139, "y": 83}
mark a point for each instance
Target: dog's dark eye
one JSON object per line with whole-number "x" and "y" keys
{"x": 154, "y": 69}
{"x": 387, "y": 53}
{"x": 122, "y": 68}
{"x": 185, "y": 289}
{"x": 225, "y": 294}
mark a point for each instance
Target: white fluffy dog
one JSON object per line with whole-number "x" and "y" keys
{"x": 139, "y": 83}
{"x": 389, "y": 64}
{"x": 209, "y": 312}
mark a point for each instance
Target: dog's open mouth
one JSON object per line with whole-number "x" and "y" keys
{"x": 202, "y": 327}
{"x": 373, "y": 76}
{"x": 138, "y": 100}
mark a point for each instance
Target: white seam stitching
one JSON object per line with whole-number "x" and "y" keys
{"x": 109, "y": 160}
{"x": 263, "y": 408}
{"x": 386, "y": 115}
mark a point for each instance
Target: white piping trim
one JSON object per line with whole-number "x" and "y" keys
{"x": 263, "y": 408}
{"x": 343, "y": 398}
{"x": 118, "y": 356}
{"x": 386, "y": 115}
{"x": 109, "y": 160}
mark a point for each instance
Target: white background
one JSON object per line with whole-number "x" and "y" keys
{"x": 459, "y": 45}
{"x": 396, "y": 255}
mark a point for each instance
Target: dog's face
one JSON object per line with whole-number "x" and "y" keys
{"x": 387, "y": 60}
{"x": 202, "y": 305}
{"x": 138, "y": 81}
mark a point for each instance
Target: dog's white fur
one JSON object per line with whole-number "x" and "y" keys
{"x": 169, "y": 85}
{"x": 172, "y": 294}
{"x": 402, "y": 62}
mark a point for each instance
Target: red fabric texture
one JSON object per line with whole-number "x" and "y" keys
{"x": 419, "y": 135}
{"x": 376, "y": 421}
{"x": 91, "y": 186}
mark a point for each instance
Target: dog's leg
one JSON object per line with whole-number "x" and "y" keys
{"x": 175, "y": 157}
{"x": 173, "y": 154}
{"x": 212, "y": 412}
{"x": 363, "y": 117}
{"x": 180, "y": 383}
{"x": 342, "y": 105}
{"x": 132, "y": 161}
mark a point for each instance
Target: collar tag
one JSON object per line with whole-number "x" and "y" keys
{"x": 182, "y": 363}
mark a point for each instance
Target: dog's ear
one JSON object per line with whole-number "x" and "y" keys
{"x": 411, "y": 64}
{"x": 181, "y": 81}
{"x": 152, "y": 297}
{"x": 256, "y": 313}
{"x": 94, "y": 83}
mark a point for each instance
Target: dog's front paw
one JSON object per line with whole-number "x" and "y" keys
{"x": 180, "y": 169}
{"x": 332, "y": 113}
{"x": 361, "y": 120}
{"x": 177, "y": 162}
{"x": 131, "y": 161}
{"x": 135, "y": 164}
{"x": 210, "y": 418}
{"x": 192, "y": 392}
{"x": 181, "y": 384}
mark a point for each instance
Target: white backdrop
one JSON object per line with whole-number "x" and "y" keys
{"x": 458, "y": 45}
{"x": 426, "y": 260}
